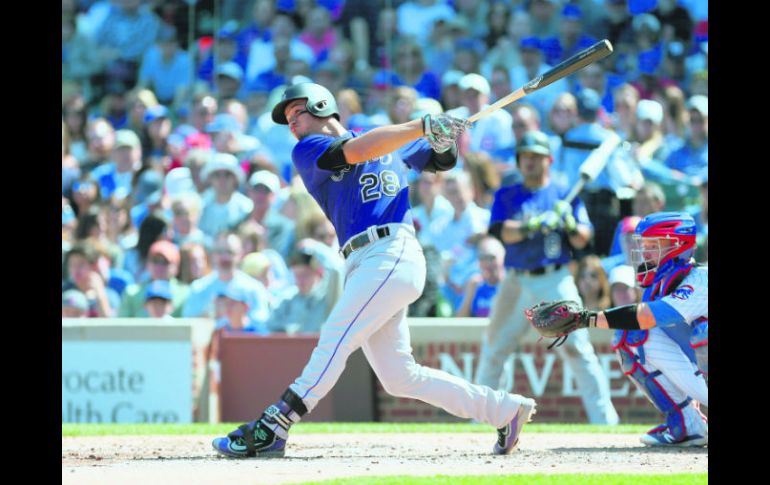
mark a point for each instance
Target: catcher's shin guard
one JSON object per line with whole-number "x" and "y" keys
{"x": 629, "y": 346}
{"x": 267, "y": 435}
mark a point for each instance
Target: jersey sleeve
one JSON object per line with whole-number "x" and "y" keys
{"x": 305, "y": 156}
{"x": 416, "y": 154}
{"x": 580, "y": 213}
{"x": 691, "y": 298}
{"x": 499, "y": 211}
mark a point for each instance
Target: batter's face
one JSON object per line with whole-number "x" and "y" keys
{"x": 301, "y": 122}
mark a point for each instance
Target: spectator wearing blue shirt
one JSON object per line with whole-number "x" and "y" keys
{"x": 126, "y": 161}
{"x": 226, "y": 256}
{"x": 690, "y": 162}
{"x": 481, "y": 288}
{"x": 165, "y": 67}
{"x": 235, "y": 307}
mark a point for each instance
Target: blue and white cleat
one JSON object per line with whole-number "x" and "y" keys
{"x": 251, "y": 440}
{"x": 661, "y": 436}
{"x": 508, "y": 437}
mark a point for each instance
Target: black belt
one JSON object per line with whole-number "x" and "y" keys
{"x": 538, "y": 271}
{"x": 362, "y": 240}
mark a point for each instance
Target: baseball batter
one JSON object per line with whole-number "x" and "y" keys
{"x": 662, "y": 343}
{"x": 539, "y": 243}
{"x": 364, "y": 193}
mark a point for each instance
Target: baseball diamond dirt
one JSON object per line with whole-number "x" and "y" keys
{"x": 312, "y": 457}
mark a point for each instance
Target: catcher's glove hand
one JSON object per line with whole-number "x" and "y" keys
{"x": 442, "y": 130}
{"x": 557, "y": 319}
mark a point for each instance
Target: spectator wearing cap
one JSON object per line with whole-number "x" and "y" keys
{"x": 228, "y": 138}
{"x": 451, "y": 95}
{"x": 74, "y": 304}
{"x": 147, "y": 195}
{"x": 318, "y": 276}
{"x": 162, "y": 265}
{"x": 229, "y": 81}
{"x": 225, "y": 50}
{"x": 690, "y": 163}
{"x": 571, "y": 38}
{"x": 157, "y": 129}
{"x": 264, "y": 187}
{"x": 126, "y": 161}
{"x": 599, "y": 195}
{"x": 234, "y": 304}
{"x": 650, "y": 144}
{"x": 226, "y": 257}
{"x": 261, "y": 54}
{"x": 533, "y": 65}
{"x": 165, "y": 66}
{"x": 158, "y": 300}
{"x": 413, "y": 16}
{"x": 491, "y": 132}
{"x": 226, "y": 207}
{"x": 622, "y": 281}
{"x": 545, "y": 17}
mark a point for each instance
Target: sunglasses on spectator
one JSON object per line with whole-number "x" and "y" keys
{"x": 487, "y": 257}
{"x": 159, "y": 261}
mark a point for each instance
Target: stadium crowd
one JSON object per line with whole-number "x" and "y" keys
{"x": 179, "y": 198}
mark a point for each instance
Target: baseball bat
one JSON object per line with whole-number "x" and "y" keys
{"x": 596, "y": 52}
{"x": 594, "y": 164}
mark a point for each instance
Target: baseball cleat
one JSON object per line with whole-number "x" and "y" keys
{"x": 661, "y": 436}
{"x": 508, "y": 436}
{"x": 250, "y": 440}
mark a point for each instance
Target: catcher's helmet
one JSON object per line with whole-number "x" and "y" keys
{"x": 650, "y": 256}
{"x": 320, "y": 101}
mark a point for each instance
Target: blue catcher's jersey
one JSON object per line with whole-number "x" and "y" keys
{"x": 519, "y": 203}
{"x": 374, "y": 192}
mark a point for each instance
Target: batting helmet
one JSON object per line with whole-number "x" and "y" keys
{"x": 320, "y": 101}
{"x": 650, "y": 255}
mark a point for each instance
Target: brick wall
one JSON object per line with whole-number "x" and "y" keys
{"x": 557, "y": 401}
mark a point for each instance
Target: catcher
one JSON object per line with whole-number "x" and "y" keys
{"x": 662, "y": 343}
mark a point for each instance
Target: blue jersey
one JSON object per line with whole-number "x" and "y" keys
{"x": 374, "y": 192}
{"x": 519, "y": 203}
{"x": 482, "y": 301}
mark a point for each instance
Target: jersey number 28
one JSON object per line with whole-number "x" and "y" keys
{"x": 373, "y": 186}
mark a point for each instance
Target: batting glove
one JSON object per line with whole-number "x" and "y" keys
{"x": 442, "y": 130}
{"x": 564, "y": 210}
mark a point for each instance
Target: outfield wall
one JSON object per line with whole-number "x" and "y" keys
{"x": 134, "y": 370}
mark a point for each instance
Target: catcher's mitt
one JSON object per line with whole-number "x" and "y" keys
{"x": 557, "y": 319}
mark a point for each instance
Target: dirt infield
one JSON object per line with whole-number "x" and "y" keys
{"x": 190, "y": 459}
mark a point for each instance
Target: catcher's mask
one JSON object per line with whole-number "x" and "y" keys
{"x": 659, "y": 240}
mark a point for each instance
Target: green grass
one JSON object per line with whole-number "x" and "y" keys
{"x": 529, "y": 479}
{"x": 71, "y": 429}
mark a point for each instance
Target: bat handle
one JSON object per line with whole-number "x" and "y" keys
{"x": 576, "y": 189}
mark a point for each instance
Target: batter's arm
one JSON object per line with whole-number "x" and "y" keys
{"x": 381, "y": 141}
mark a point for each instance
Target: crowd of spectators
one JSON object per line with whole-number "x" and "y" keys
{"x": 179, "y": 198}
